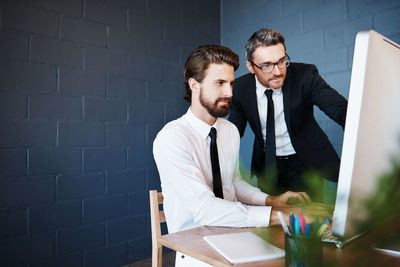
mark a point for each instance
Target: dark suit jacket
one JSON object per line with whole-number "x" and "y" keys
{"x": 303, "y": 88}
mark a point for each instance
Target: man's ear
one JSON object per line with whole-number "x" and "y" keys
{"x": 250, "y": 66}
{"x": 194, "y": 85}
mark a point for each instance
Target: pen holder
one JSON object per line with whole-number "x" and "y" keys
{"x": 303, "y": 252}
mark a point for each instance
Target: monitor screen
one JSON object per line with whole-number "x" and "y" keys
{"x": 372, "y": 129}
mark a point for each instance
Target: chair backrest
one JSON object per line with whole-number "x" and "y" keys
{"x": 157, "y": 217}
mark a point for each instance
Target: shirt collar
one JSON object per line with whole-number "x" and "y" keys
{"x": 202, "y": 128}
{"x": 260, "y": 89}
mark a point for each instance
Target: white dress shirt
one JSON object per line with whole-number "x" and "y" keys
{"x": 182, "y": 154}
{"x": 284, "y": 146}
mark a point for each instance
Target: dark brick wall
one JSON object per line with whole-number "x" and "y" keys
{"x": 85, "y": 85}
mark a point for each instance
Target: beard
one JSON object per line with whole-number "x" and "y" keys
{"x": 212, "y": 107}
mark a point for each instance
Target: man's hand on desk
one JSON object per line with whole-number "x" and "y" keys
{"x": 310, "y": 211}
{"x": 287, "y": 199}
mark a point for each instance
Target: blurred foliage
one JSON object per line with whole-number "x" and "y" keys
{"x": 245, "y": 174}
{"x": 313, "y": 182}
{"x": 384, "y": 203}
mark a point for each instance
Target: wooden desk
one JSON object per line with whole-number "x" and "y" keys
{"x": 357, "y": 253}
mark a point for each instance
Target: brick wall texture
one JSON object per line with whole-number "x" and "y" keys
{"x": 84, "y": 87}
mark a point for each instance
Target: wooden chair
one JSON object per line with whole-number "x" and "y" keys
{"x": 157, "y": 217}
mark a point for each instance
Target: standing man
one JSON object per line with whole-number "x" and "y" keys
{"x": 197, "y": 156}
{"x": 277, "y": 98}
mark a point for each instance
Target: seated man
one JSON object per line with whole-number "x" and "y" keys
{"x": 197, "y": 156}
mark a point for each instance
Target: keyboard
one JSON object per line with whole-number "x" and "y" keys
{"x": 328, "y": 237}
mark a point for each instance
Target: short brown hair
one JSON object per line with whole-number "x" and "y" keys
{"x": 199, "y": 60}
{"x": 263, "y": 37}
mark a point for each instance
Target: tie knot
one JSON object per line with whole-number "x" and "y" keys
{"x": 268, "y": 93}
{"x": 213, "y": 133}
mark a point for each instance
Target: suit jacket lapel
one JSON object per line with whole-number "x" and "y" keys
{"x": 253, "y": 110}
{"x": 286, "y": 91}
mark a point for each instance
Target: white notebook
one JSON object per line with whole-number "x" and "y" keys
{"x": 243, "y": 247}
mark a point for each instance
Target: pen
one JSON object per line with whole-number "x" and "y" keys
{"x": 297, "y": 226}
{"x": 283, "y": 223}
{"x": 326, "y": 221}
{"x": 323, "y": 226}
{"x": 291, "y": 221}
{"x": 302, "y": 222}
{"x": 293, "y": 245}
{"x": 307, "y": 230}
{"x": 322, "y": 229}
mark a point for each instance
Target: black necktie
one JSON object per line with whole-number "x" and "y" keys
{"x": 217, "y": 184}
{"x": 270, "y": 146}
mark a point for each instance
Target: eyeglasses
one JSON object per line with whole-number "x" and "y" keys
{"x": 269, "y": 67}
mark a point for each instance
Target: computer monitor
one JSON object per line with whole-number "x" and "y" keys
{"x": 372, "y": 129}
